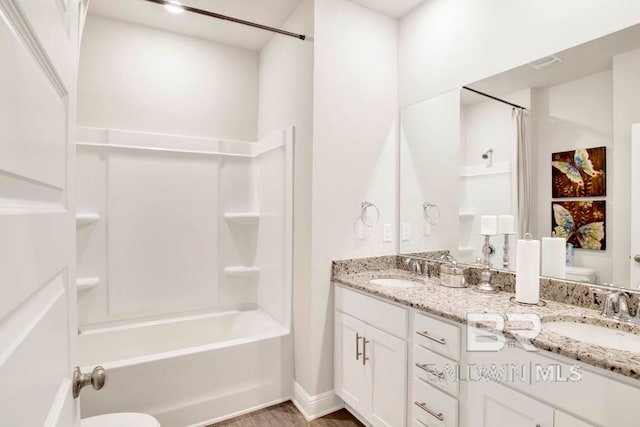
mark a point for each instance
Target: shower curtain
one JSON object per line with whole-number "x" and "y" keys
{"x": 524, "y": 171}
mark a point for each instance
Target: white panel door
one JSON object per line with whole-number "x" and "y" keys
{"x": 494, "y": 405}
{"x": 38, "y": 57}
{"x": 563, "y": 419}
{"x": 352, "y": 382}
{"x": 387, "y": 364}
{"x": 635, "y": 207}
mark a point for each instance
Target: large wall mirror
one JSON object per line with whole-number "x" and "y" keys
{"x": 551, "y": 147}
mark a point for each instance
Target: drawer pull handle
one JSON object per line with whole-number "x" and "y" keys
{"x": 364, "y": 351}
{"x": 423, "y": 406}
{"x": 358, "y": 353}
{"x": 427, "y": 369}
{"x": 429, "y": 337}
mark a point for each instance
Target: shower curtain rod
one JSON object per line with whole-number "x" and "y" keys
{"x": 228, "y": 18}
{"x": 495, "y": 98}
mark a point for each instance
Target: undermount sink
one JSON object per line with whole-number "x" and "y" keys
{"x": 395, "y": 283}
{"x": 598, "y": 335}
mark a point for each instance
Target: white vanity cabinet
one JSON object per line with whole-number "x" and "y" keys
{"x": 370, "y": 357}
{"x": 494, "y": 405}
{"x": 397, "y": 367}
{"x": 572, "y": 389}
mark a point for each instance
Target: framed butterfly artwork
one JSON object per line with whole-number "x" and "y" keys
{"x": 579, "y": 173}
{"x": 581, "y": 223}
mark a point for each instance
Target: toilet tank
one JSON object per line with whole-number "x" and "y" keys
{"x": 581, "y": 274}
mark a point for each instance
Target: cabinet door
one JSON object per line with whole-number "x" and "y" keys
{"x": 352, "y": 382}
{"x": 386, "y": 361}
{"x": 494, "y": 405}
{"x": 565, "y": 420}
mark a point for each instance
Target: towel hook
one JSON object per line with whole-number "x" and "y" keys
{"x": 431, "y": 213}
{"x": 363, "y": 213}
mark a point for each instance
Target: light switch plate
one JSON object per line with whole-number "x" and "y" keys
{"x": 406, "y": 231}
{"x": 386, "y": 232}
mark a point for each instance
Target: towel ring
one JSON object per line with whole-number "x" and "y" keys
{"x": 431, "y": 213}
{"x": 363, "y": 213}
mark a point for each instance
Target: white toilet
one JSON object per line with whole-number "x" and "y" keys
{"x": 122, "y": 419}
{"x": 581, "y": 274}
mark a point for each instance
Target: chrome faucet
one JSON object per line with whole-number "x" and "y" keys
{"x": 616, "y": 305}
{"x": 414, "y": 264}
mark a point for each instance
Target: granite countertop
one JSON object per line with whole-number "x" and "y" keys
{"x": 455, "y": 303}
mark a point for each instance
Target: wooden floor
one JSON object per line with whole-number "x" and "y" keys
{"x": 286, "y": 414}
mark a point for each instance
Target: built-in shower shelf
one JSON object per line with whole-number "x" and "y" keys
{"x": 467, "y": 215}
{"x": 83, "y": 219}
{"x": 243, "y": 217}
{"x": 466, "y": 250}
{"x": 86, "y": 283}
{"x": 241, "y": 270}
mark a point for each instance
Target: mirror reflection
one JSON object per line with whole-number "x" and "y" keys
{"x": 550, "y": 148}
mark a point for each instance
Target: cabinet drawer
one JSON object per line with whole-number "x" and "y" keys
{"x": 436, "y": 370}
{"x": 384, "y": 316}
{"x": 437, "y": 336}
{"x": 432, "y": 407}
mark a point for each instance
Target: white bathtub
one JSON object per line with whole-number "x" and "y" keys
{"x": 189, "y": 371}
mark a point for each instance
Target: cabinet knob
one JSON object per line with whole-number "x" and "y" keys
{"x": 97, "y": 378}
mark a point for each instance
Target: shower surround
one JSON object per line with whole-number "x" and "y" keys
{"x": 184, "y": 257}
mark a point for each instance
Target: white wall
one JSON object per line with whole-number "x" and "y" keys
{"x": 626, "y": 111}
{"x": 448, "y": 43}
{"x": 286, "y": 99}
{"x": 571, "y": 115}
{"x": 137, "y": 78}
{"x": 354, "y": 154}
{"x": 429, "y": 154}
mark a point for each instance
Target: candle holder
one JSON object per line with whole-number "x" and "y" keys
{"x": 505, "y": 251}
{"x": 485, "y": 285}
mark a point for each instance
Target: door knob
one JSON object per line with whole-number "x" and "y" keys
{"x": 97, "y": 378}
{"x": 636, "y": 258}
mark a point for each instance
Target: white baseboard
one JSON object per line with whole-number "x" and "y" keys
{"x": 317, "y": 406}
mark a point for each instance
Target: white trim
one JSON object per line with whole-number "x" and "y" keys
{"x": 313, "y": 407}
{"x": 239, "y": 413}
{"x": 174, "y": 150}
{"x": 55, "y": 412}
{"x": 18, "y": 23}
{"x": 479, "y": 170}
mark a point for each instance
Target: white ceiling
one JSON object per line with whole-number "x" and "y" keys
{"x": 581, "y": 61}
{"x": 394, "y": 8}
{"x": 272, "y": 13}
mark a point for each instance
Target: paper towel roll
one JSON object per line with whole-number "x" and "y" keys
{"x": 554, "y": 257}
{"x": 528, "y": 271}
